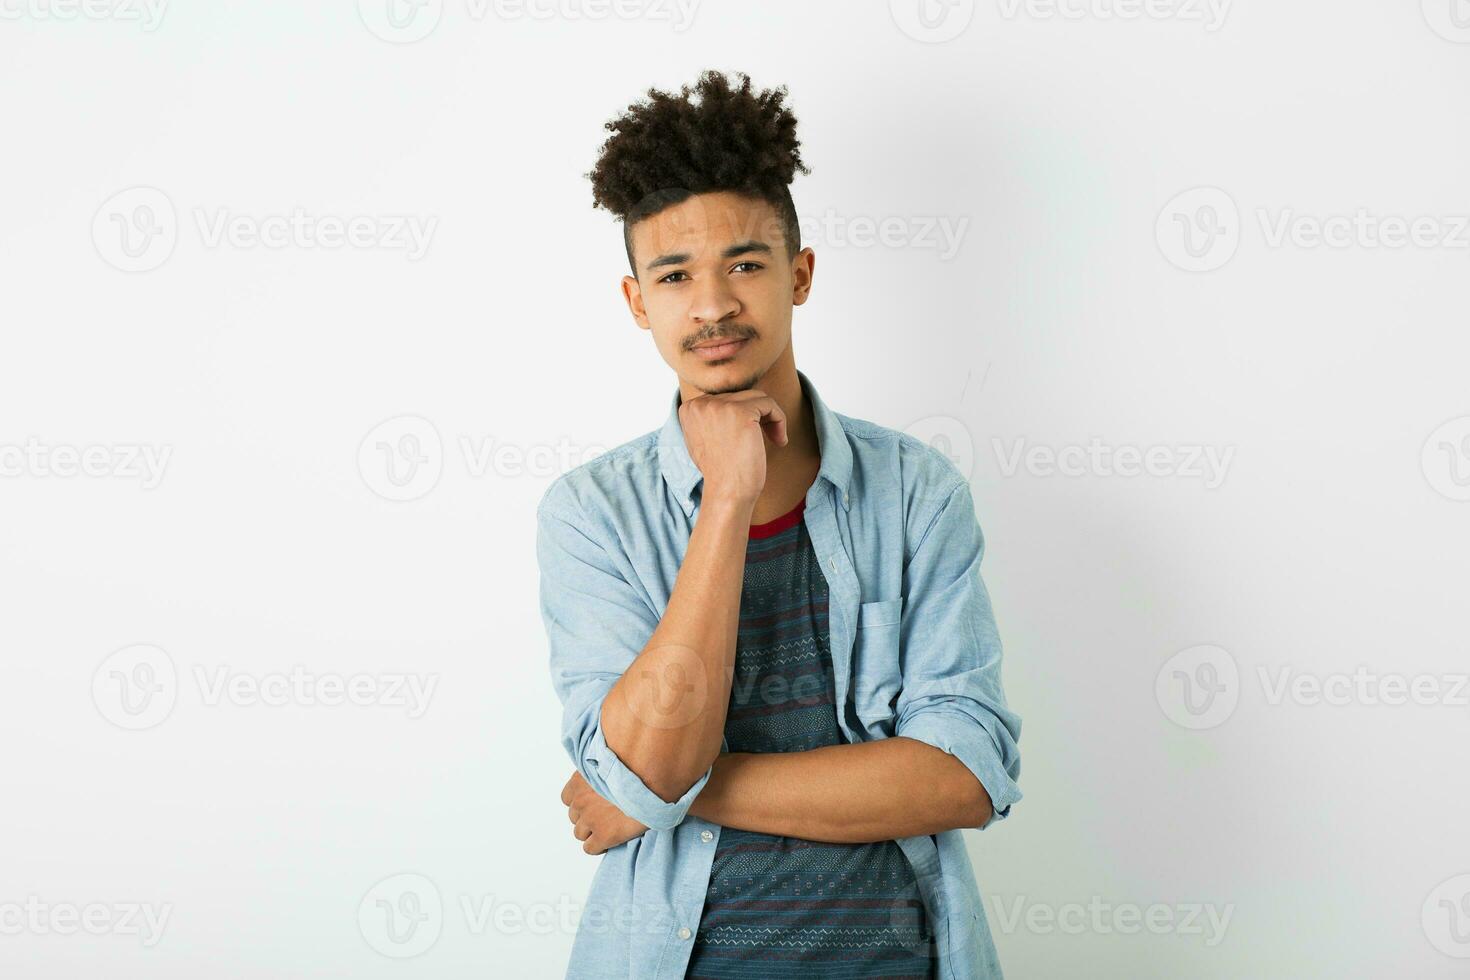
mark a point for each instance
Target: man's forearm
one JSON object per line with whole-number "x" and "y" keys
{"x": 845, "y": 794}
{"x": 665, "y": 717}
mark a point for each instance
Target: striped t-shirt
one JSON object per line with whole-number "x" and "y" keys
{"x": 782, "y": 906}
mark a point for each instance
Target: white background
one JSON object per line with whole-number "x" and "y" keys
{"x": 1330, "y": 836}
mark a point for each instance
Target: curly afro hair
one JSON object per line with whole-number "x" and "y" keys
{"x": 668, "y": 148}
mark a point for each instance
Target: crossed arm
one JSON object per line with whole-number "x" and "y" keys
{"x": 905, "y": 785}
{"x": 848, "y": 794}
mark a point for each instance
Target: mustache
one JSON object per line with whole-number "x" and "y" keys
{"x": 733, "y": 332}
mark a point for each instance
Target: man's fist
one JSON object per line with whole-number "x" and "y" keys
{"x": 726, "y": 436}
{"x": 598, "y": 824}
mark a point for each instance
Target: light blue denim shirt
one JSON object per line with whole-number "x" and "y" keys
{"x": 914, "y": 646}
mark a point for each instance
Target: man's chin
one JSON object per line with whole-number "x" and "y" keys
{"x": 716, "y": 382}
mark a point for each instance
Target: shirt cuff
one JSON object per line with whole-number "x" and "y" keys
{"x": 967, "y": 740}
{"x": 628, "y": 792}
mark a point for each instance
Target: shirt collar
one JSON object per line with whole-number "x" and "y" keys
{"x": 683, "y": 477}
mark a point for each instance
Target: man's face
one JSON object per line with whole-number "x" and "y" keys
{"x": 716, "y": 288}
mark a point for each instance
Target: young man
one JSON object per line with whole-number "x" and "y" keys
{"x": 778, "y": 665}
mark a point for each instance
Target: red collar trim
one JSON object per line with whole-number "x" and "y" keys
{"x": 786, "y": 520}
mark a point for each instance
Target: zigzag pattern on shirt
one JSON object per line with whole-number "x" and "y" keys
{"x": 810, "y": 867}
{"x": 815, "y": 937}
{"x": 802, "y": 647}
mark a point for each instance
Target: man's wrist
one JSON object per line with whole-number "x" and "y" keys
{"x": 727, "y": 506}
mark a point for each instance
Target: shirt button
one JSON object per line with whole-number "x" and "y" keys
{"x": 684, "y": 933}
{"x": 706, "y": 836}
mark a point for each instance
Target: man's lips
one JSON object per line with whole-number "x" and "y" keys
{"x": 718, "y": 349}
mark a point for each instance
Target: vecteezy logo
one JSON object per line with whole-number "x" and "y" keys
{"x": 400, "y": 21}
{"x": 1198, "y": 687}
{"x": 1446, "y": 917}
{"x": 401, "y": 916}
{"x": 1450, "y": 19}
{"x": 135, "y": 230}
{"x": 1446, "y": 459}
{"x": 136, "y": 687}
{"x": 1199, "y": 230}
{"x": 671, "y": 688}
{"x": 402, "y": 458}
{"x": 932, "y": 21}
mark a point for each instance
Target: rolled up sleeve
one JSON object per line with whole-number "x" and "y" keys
{"x": 597, "y": 624}
{"x": 951, "y": 696}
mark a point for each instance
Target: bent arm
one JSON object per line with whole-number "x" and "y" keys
{"x": 643, "y": 695}
{"x": 846, "y": 794}
{"x": 665, "y": 716}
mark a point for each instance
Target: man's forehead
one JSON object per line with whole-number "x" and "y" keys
{"x": 707, "y": 223}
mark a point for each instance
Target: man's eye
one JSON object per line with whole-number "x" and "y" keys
{"x": 746, "y": 266}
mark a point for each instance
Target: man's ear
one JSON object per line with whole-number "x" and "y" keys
{"x": 802, "y": 268}
{"x": 633, "y": 296}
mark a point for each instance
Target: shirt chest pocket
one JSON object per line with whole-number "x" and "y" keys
{"x": 876, "y": 677}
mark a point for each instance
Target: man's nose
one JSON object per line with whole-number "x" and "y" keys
{"x": 713, "y": 300}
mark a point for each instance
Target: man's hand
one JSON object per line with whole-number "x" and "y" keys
{"x": 598, "y": 824}
{"x": 726, "y": 433}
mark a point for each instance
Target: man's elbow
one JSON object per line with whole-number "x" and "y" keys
{"x": 671, "y": 786}
{"x": 962, "y": 796}
{"x": 668, "y": 781}
{"x": 976, "y": 807}
{"x": 647, "y": 757}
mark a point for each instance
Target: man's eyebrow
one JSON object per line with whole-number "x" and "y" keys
{"x": 739, "y": 248}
